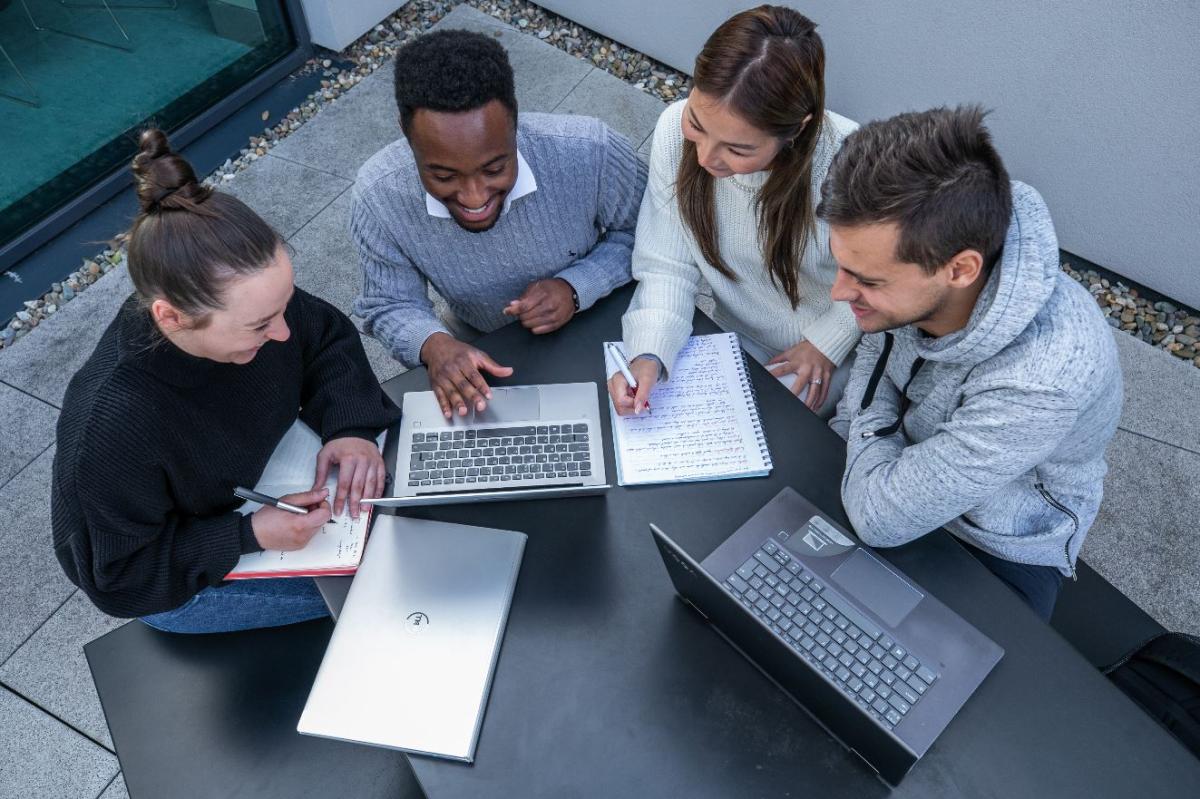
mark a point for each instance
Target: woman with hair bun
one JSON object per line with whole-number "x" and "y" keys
{"x": 735, "y": 174}
{"x": 192, "y": 385}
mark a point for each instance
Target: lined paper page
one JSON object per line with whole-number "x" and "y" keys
{"x": 702, "y": 425}
{"x": 336, "y": 548}
{"x": 338, "y": 545}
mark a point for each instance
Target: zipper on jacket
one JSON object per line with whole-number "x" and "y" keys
{"x": 1054, "y": 503}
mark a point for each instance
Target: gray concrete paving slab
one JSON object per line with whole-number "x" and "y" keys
{"x": 325, "y": 260}
{"x": 44, "y": 361}
{"x": 26, "y": 429}
{"x": 1162, "y": 393}
{"x": 51, "y": 670}
{"x": 626, "y": 109}
{"x": 116, "y": 789}
{"x": 545, "y": 75}
{"x": 32, "y": 585}
{"x": 349, "y": 130}
{"x": 644, "y": 148}
{"x": 383, "y": 364}
{"x": 286, "y": 194}
{"x": 41, "y": 757}
{"x": 1146, "y": 539}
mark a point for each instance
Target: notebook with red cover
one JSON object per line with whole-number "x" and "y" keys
{"x": 337, "y": 548}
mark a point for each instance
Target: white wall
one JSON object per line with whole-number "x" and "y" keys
{"x": 1096, "y": 104}
{"x": 336, "y": 23}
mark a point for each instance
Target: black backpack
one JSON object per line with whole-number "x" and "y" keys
{"x": 1163, "y": 676}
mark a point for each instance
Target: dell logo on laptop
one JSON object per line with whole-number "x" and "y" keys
{"x": 416, "y": 622}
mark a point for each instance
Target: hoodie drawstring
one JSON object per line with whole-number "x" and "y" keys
{"x": 873, "y": 384}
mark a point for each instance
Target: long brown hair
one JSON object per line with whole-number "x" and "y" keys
{"x": 767, "y": 65}
{"x": 188, "y": 240}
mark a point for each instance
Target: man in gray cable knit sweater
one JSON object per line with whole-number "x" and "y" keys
{"x": 528, "y": 219}
{"x": 987, "y": 405}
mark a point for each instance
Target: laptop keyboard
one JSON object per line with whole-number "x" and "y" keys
{"x": 865, "y": 663}
{"x": 463, "y": 458}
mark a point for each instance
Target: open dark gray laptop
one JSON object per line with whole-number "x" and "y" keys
{"x": 531, "y": 442}
{"x": 875, "y": 659}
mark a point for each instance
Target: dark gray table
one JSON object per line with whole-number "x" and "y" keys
{"x": 607, "y": 686}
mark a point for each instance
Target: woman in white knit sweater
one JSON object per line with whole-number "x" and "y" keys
{"x": 735, "y": 173}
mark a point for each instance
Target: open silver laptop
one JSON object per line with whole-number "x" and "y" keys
{"x": 410, "y": 662}
{"x": 532, "y": 441}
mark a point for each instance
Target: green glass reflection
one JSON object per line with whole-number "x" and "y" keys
{"x": 79, "y": 78}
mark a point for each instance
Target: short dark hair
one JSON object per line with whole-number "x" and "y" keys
{"x": 188, "y": 241}
{"x": 452, "y": 70}
{"x": 935, "y": 174}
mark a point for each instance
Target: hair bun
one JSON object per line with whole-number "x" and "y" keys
{"x": 164, "y": 180}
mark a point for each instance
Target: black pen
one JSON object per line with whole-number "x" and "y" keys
{"x": 254, "y": 496}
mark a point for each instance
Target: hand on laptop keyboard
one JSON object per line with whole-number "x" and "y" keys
{"x": 455, "y": 374}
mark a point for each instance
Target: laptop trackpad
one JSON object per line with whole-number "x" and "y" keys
{"x": 520, "y": 404}
{"x": 877, "y": 587}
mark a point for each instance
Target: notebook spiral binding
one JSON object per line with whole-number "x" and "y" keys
{"x": 751, "y": 393}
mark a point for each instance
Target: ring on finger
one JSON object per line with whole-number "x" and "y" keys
{"x": 816, "y": 381}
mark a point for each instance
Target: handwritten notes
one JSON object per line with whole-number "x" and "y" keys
{"x": 338, "y": 545}
{"x": 704, "y": 424}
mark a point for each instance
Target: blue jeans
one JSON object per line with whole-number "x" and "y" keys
{"x": 1038, "y": 586}
{"x": 244, "y": 605}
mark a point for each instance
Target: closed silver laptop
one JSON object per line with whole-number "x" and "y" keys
{"x": 410, "y": 662}
{"x": 532, "y": 441}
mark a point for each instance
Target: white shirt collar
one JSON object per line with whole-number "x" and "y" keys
{"x": 526, "y": 184}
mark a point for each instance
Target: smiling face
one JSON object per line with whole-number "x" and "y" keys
{"x": 726, "y": 144}
{"x": 467, "y": 160}
{"x": 883, "y": 292}
{"x": 252, "y": 316}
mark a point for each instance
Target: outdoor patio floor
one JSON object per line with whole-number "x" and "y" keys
{"x": 53, "y": 738}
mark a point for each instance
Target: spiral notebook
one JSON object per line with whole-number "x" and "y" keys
{"x": 704, "y": 423}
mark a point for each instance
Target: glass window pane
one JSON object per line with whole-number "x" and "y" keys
{"x": 79, "y": 78}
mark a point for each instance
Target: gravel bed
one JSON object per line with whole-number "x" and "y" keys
{"x": 1162, "y": 324}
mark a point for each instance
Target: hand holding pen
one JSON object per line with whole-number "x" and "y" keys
{"x": 289, "y": 522}
{"x": 630, "y": 387}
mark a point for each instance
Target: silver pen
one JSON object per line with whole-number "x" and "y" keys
{"x": 266, "y": 499}
{"x": 623, "y": 366}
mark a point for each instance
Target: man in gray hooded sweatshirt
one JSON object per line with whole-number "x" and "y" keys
{"x": 987, "y": 385}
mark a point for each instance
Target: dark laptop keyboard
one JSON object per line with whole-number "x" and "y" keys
{"x": 865, "y": 663}
{"x": 458, "y": 459}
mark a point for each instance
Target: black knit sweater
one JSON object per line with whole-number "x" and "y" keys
{"x": 152, "y": 442}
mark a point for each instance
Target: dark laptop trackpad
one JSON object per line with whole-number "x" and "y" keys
{"x": 877, "y": 587}
{"x": 522, "y": 404}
